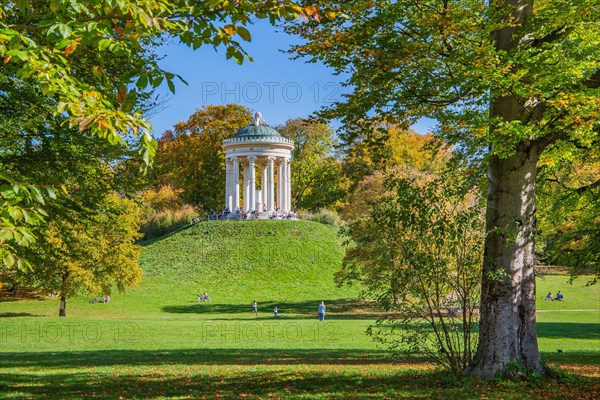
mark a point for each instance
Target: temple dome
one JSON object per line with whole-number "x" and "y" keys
{"x": 257, "y": 131}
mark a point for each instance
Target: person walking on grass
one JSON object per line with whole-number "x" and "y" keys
{"x": 275, "y": 312}
{"x": 321, "y": 311}
{"x": 255, "y": 308}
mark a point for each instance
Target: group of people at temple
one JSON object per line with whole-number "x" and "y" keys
{"x": 289, "y": 215}
{"x": 239, "y": 213}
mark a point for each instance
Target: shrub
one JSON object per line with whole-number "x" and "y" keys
{"x": 161, "y": 222}
{"x": 327, "y": 217}
{"x": 164, "y": 197}
{"x": 419, "y": 254}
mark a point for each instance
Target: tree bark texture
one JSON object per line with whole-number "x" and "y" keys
{"x": 508, "y": 322}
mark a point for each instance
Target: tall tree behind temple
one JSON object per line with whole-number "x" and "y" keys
{"x": 378, "y": 146}
{"x": 317, "y": 179}
{"x": 191, "y": 158}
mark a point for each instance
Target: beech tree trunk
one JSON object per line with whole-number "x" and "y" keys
{"x": 507, "y": 312}
{"x": 62, "y": 312}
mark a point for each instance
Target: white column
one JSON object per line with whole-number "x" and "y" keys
{"x": 288, "y": 183}
{"x": 280, "y": 185}
{"x": 281, "y": 178}
{"x": 264, "y": 185}
{"x": 271, "y": 185}
{"x": 246, "y": 187}
{"x": 284, "y": 185}
{"x": 259, "y": 203}
{"x": 236, "y": 183}
{"x": 227, "y": 182}
{"x": 252, "y": 183}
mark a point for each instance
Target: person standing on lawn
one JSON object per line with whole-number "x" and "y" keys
{"x": 321, "y": 311}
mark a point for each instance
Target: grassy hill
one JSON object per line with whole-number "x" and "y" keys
{"x": 237, "y": 261}
{"x": 286, "y": 263}
{"x": 275, "y": 262}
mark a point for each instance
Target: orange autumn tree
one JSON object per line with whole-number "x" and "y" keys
{"x": 190, "y": 158}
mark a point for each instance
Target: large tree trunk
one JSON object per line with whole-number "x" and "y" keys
{"x": 507, "y": 311}
{"x": 507, "y": 325}
{"x": 62, "y": 312}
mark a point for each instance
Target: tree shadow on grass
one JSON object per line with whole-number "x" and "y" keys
{"x": 9, "y": 295}
{"x": 230, "y": 385}
{"x": 218, "y": 356}
{"x": 570, "y": 330}
{"x": 336, "y": 309}
{"x": 228, "y": 382}
{"x": 574, "y": 358}
{"x": 164, "y": 236}
{"x": 17, "y": 314}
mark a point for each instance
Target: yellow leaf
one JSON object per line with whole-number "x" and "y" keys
{"x": 310, "y": 10}
{"x": 230, "y": 29}
{"x": 71, "y": 48}
{"x": 83, "y": 125}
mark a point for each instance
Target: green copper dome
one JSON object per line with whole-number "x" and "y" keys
{"x": 257, "y": 131}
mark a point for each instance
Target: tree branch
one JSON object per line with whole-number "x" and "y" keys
{"x": 585, "y": 188}
{"x": 557, "y": 34}
{"x": 594, "y": 81}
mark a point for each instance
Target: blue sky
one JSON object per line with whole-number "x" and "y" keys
{"x": 273, "y": 84}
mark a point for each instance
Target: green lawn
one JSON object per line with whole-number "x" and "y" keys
{"x": 578, "y": 296}
{"x": 157, "y": 341}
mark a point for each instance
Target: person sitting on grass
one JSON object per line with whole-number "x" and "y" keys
{"x": 559, "y": 296}
{"x": 549, "y": 296}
